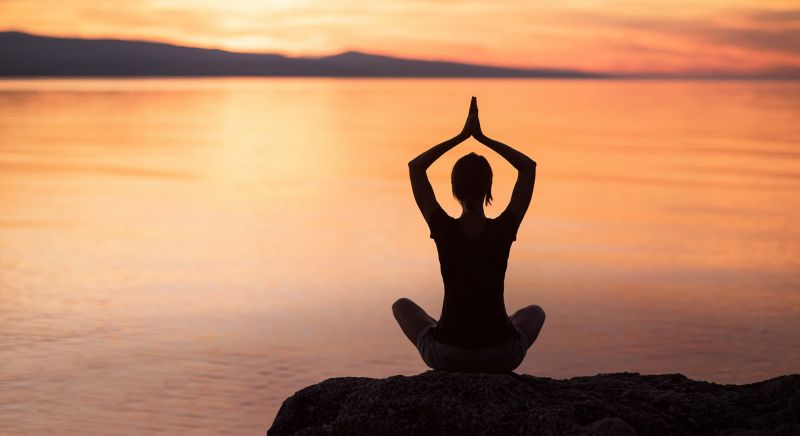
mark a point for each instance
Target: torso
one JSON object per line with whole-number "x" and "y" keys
{"x": 473, "y": 254}
{"x": 472, "y": 227}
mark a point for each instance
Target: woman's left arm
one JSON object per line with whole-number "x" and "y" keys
{"x": 417, "y": 167}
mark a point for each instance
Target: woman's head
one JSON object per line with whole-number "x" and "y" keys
{"x": 472, "y": 181}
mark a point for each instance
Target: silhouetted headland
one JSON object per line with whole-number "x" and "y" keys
{"x": 27, "y": 55}
{"x": 23, "y": 54}
{"x": 445, "y": 403}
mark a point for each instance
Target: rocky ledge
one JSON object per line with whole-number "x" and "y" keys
{"x": 440, "y": 403}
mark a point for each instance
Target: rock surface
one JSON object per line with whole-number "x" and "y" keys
{"x": 440, "y": 403}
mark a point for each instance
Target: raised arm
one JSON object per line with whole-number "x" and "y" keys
{"x": 417, "y": 167}
{"x": 526, "y": 171}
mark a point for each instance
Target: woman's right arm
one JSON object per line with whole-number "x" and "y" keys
{"x": 526, "y": 173}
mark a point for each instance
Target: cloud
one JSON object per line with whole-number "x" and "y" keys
{"x": 605, "y": 35}
{"x": 777, "y": 40}
{"x": 748, "y": 33}
{"x": 790, "y": 16}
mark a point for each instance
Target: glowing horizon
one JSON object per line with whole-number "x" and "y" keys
{"x": 736, "y": 36}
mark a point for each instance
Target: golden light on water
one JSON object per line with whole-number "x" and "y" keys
{"x": 163, "y": 240}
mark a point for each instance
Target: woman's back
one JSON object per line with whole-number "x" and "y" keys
{"x": 473, "y": 272}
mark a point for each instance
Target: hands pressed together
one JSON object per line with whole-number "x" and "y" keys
{"x": 526, "y": 167}
{"x": 472, "y": 127}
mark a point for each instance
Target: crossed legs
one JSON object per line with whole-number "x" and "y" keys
{"x": 530, "y": 320}
{"x": 412, "y": 319}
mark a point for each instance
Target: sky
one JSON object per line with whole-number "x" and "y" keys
{"x": 672, "y": 37}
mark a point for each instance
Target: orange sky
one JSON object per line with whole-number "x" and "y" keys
{"x": 620, "y": 36}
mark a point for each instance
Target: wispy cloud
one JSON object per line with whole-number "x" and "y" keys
{"x": 749, "y": 33}
{"x": 789, "y": 16}
{"x": 609, "y": 35}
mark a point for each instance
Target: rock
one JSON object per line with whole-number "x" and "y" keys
{"x": 610, "y": 427}
{"x": 441, "y": 403}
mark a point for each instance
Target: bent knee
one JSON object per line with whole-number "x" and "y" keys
{"x": 536, "y": 311}
{"x": 400, "y": 304}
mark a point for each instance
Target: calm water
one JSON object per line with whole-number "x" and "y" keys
{"x": 181, "y": 255}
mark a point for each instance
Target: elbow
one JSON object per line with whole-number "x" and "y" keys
{"x": 529, "y": 166}
{"x": 414, "y": 166}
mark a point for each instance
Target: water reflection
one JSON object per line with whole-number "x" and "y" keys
{"x": 184, "y": 254}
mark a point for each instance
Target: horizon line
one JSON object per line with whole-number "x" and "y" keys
{"x": 771, "y": 74}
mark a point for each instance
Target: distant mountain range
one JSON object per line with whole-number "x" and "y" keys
{"x": 26, "y": 55}
{"x": 23, "y": 54}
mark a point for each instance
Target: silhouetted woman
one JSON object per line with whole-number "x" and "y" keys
{"x": 474, "y": 333}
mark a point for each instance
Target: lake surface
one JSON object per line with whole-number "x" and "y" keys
{"x": 180, "y": 255}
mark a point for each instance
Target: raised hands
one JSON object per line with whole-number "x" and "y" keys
{"x": 423, "y": 192}
{"x": 473, "y": 124}
{"x": 477, "y": 133}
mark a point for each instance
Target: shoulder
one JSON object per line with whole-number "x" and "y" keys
{"x": 508, "y": 216}
{"x": 438, "y": 221}
{"x": 508, "y": 223}
{"x": 437, "y": 214}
